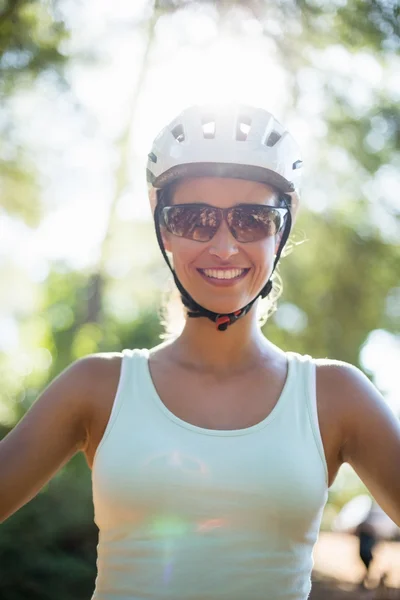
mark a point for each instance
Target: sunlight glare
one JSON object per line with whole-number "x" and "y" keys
{"x": 228, "y": 70}
{"x": 380, "y": 355}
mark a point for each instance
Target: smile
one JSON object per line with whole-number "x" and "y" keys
{"x": 224, "y": 273}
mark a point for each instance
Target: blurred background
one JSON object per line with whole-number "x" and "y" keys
{"x": 85, "y": 85}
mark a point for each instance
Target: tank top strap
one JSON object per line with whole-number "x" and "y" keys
{"x": 130, "y": 367}
{"x": 306, "y": 378}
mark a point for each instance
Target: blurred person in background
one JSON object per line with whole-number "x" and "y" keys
{"x": 375, "y": 527}
{"x": 212, "y": 453}
{"x": 367, "y": 541}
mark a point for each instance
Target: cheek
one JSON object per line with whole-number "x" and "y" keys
{"x": 263, "y": 254}
{"x": 184, "y": 252}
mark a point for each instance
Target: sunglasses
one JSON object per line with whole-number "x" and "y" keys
{"x": 246, "y": 222}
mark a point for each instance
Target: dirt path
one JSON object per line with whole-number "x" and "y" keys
{"x": 338, "y": 568}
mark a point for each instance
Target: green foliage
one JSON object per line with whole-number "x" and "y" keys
{"x": 63, "y": 328}
{"x": 30, "y": 37}
{"x": 372, "y": 24}
{"x": 341, "y": 281}
{"x": 30, "y": 40}
{"x": 350, "y": 129}
{"x": 20, "y": 189}
{"x": 49, "y": 546}
{"x": 67, "y": 306}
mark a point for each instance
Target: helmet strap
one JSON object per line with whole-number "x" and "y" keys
{"x": 195, "y": 310}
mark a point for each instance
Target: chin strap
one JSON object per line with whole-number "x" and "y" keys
{"x": 195, "y": 310}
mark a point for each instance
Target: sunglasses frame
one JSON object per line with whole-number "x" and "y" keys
{"x": 223, "y": 215}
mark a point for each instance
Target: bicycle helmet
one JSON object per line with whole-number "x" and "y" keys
{"x": 234, "y": 141}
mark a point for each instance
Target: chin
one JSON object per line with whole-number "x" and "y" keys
{"x": 220, "y": 299}
{"x": 222, "y": 305}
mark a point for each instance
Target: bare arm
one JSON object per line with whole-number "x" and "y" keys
{"x": 53, "y": 430}
{"x": 371, "y": 443}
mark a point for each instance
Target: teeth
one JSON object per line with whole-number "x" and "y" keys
{"x": 225, "y": 274}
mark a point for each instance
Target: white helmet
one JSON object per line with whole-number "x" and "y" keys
{"x": 235, "y": 141}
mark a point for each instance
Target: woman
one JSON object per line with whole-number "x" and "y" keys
{"x": 212, "y": 454}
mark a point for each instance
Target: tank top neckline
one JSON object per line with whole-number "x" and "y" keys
{"x": 285, "y": 393}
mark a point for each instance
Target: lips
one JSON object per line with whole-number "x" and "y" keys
{"x": 223, "y": 276}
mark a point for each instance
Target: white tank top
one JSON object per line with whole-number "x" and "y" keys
{"x": 187, "y": 513}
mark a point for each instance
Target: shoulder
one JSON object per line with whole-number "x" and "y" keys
{"x": 81, "y": 378}
{"x": 97, "y": 366}
{"x": 343, "y": 380}
{"x": 97, "y": 375}
{"x": 92, "y": 377}
{"x": 344, "y": 386}
{"x": 341, "y": 388}
{"x": 347, "y": 391}
{"x": 336, "y": 377}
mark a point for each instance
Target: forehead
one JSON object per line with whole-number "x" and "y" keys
{"x": 223, "y": 191}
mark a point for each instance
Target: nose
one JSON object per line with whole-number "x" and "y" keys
{"x": 223, "y": 244}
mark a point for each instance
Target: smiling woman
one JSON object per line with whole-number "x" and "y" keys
{"x": 243, "y": 146}
{"x": 212, "y": 453}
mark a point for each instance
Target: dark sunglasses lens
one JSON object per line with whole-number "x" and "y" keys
{"x": 192, "y": 222}
{"x": 253, "y": 223}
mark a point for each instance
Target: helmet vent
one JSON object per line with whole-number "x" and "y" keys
{"x": 208, "y": 129}
{"x": 178, "y": 133}
{"x": 273, "y": 138}
{"x": 152, "y": 157}
{"x": 242, "y": 128}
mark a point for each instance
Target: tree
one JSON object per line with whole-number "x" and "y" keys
{"x": 30, "y": 39}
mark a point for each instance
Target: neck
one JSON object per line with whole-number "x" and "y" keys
{"x": 203, "y": 348}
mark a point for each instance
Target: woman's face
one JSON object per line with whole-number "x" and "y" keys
{"x": 223, "y": 252}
